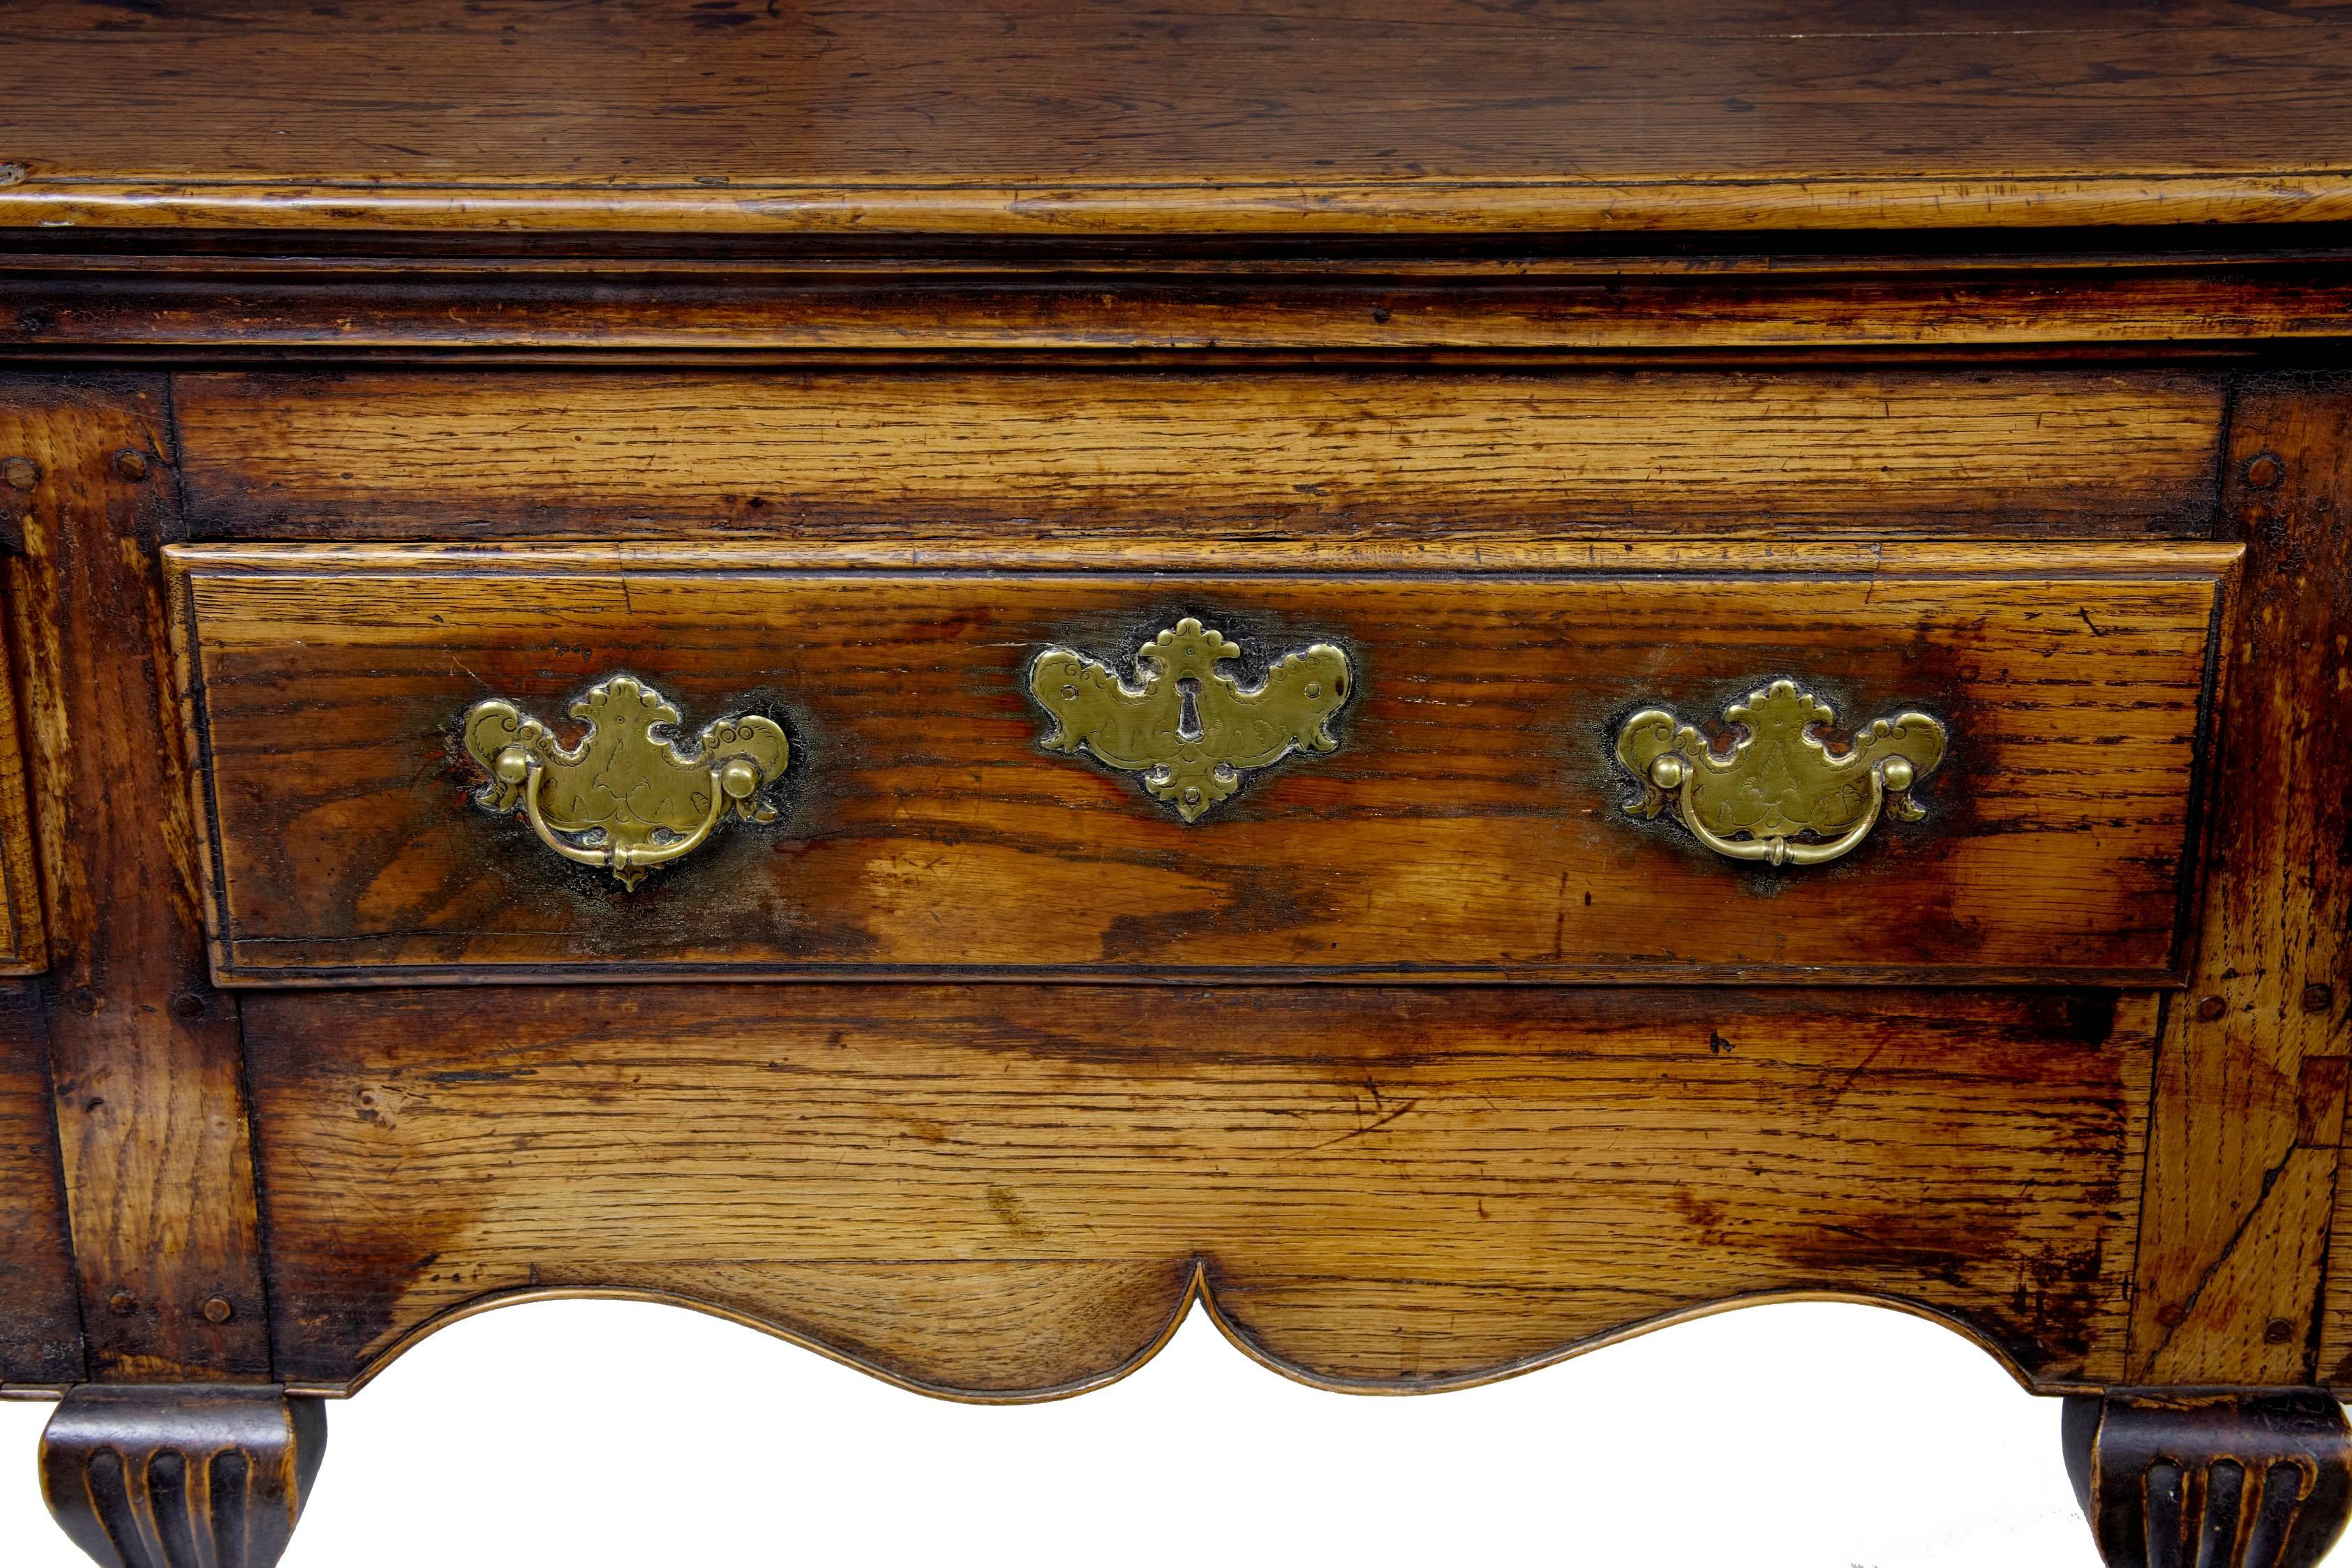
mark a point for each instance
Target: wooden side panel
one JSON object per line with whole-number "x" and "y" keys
{"x": 2251, "y": 1079}
{"x": 1001, "y": 1190}
{"x": 1256, "y": 455}
{"x": 150, "y": 1116}
{"x": 1471, "y": 823}
{"x": 40, "y": 1317}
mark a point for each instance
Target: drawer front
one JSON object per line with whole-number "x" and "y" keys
{"x": 1440, "y": 778}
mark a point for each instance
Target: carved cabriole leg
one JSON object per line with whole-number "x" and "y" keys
{"x": 181, "y": 1475}
{"x": 2211, "y": 1480}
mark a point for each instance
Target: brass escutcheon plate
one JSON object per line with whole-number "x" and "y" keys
{"x": 1781, "y": 795}
{"x": 626, "y": 798}
{"x": 1190, "y": 728}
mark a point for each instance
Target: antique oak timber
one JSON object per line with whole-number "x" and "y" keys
{"x": 1461, "y": 679}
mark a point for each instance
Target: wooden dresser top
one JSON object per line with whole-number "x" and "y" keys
{"x": 1052, "y": 118}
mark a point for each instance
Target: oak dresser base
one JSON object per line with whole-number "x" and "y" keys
{"x": 1454, "y": 680}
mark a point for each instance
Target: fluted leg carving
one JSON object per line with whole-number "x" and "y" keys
{"x": 2211, "y": 1480}
{"x": 181, "y": 1476}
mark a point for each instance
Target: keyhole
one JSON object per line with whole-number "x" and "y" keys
{"x": 1187, "y": 717}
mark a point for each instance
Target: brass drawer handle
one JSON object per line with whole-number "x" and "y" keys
{"x": 1780, "y": 779}
{"x": 1190, "y": 728}
{"x": 626, "y": 798}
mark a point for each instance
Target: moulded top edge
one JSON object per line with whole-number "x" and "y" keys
{"x": 1077, "y": 211}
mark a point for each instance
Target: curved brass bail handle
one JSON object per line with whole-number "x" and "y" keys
{"x": 623, "y": 858}
{"x": 1787, "y": 852}
{"x": 1781, "y": 795}
{"x": 629, "y": 797}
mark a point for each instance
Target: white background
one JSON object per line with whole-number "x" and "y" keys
{"x": 597, "y": 1433}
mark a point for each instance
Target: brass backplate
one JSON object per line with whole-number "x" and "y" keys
{"x": 1189, "y": 727}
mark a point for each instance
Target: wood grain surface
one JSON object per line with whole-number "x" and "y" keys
{"x": 561, "y": 309}
{"x": 23, "y": 935}
{"x": 1471, "y": 825}
{"x": 2249, "y": 1104}
{"x": 1238, "y": 455}
{"x": 1037, "y": 117}
{"x": 40, "y": 1313}
{"x": 2250, "y": 1080}
{"x": 143, "y": 1056}
{"x": 1002, "y": 1191}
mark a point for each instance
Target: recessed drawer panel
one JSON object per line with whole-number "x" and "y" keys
{"x": 1262, "y": 453}
{"x": 1557, "y": 762}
